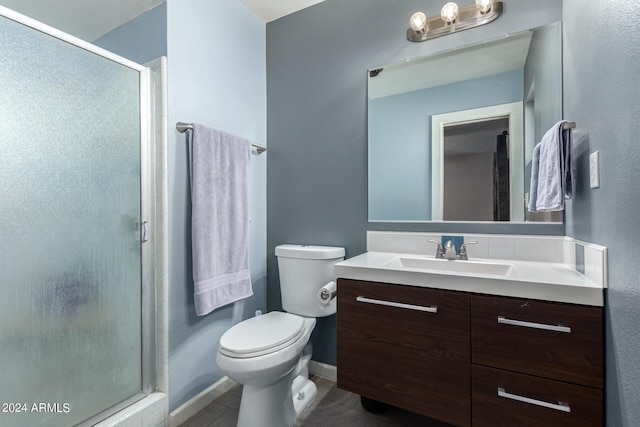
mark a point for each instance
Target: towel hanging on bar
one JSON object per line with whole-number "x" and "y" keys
{"x": 182, "y": 127}
{"x": 553, "y": 170}
{"x": 219, "y": 181}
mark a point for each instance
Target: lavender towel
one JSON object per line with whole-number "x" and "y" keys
{"x": 554, "y": 174}
{"x": 219, "y": 176}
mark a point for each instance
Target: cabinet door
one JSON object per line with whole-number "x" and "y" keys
{"x": 502, "y": 398}
{"x": 406, "y": 346}
{"x": 550, "y": 340}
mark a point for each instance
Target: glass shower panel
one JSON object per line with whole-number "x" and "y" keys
{"x": 70, "y": 257}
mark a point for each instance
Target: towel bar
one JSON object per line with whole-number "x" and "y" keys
{"x": 183, "y": 127}
{"x": 568, "y": 125}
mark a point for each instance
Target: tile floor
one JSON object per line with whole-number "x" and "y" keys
{"x": 332, "y": 407}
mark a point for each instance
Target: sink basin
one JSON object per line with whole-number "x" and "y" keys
{"x": 457, "y": 266}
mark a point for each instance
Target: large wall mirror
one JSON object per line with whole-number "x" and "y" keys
{"x": 451, "y": 135}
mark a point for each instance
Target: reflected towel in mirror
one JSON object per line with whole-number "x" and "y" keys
{"x": 552, "y": 171}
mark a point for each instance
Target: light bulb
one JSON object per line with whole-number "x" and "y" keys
{"x": 449, "y": 12}
{"x": 484, "y": 6}
{"x": 418, "y": 22}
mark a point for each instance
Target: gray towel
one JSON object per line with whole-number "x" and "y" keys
{"x": 533, "y": 189}
{"x": 219, "y": 175}
{"x": 555, "y": 173}
{"x": 569, "y": 172}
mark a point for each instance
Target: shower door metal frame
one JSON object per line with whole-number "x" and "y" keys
{"x": 147, "y": 200}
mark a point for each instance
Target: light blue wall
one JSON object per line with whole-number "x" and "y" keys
{"x": 317, "y": 121}
{"x": 543, "y": 71}
{"x": 601, "y": 93}
{"x": 142, "y": 39}
{"x": 217, "y": 77}
{"x": 399, "y": 140}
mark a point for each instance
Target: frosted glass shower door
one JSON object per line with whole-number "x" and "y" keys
{"x": 70, "y": 213}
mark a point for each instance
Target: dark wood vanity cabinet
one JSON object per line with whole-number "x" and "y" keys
{"x": 536, "y": 363}
{"x": 470, "y": 359}
{"x": 406, "y": 346}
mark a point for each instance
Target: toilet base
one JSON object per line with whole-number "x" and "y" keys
{"x": 304, "y": 391}
{"x": 276, "y": 405}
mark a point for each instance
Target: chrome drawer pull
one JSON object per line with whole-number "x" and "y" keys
{"x": 560, "y": 406}
{"x": 397, "y": 304}
{"x": 555, "y": 328}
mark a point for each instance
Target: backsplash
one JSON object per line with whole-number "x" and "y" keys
{"x": 587, "y": 258}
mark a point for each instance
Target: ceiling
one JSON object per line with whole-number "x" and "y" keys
{"x": 86, "y": 19}
{"x": 91, "y": 19}
{"x": 270, "y": 10}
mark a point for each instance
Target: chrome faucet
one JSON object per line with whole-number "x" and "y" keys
{"x": 448, "y": 252}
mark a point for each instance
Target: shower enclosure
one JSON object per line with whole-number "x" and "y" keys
{"x": 74, "y": 129}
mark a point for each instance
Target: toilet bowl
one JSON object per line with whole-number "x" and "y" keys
{"x": 264, "y": 354}
{"x": 269, "y": 354}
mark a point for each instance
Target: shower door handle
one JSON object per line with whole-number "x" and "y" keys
{"x": 143, "y": 232}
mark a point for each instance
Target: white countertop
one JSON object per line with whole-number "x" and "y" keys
{"x": 526, "y": 279}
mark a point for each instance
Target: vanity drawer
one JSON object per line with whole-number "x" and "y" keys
{"x": 431, "y": 322}
{"x": 406, "y": 346}
{"x": 546, "y": 339}
{"x": 501, "y": 398}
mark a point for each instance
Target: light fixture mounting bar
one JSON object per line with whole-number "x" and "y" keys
{"x": 468, "y": 17}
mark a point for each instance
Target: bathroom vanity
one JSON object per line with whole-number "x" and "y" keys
{"x": 474, "y": 345}
{"x": 417, "y": 360}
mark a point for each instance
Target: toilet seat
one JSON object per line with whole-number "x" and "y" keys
{"x": 262, "y": 335}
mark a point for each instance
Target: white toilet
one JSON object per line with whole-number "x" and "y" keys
{"x": 269, "y": 354}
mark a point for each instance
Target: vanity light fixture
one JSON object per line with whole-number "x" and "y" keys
{"x": 484, "y": 6}
{"x": 418, "y": 23}
{"x": 452, "y": 19}
{"x": 449, "y": 12}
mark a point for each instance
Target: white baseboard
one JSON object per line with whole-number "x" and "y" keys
{"x": 200, "y": 401}
{"x": 323, "y": 370}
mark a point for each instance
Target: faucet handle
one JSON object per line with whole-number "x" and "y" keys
{"x": 439, "y": 249}
{"x": 462, "y": 253}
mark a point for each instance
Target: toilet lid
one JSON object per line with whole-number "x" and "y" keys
{"x": 261, "y": 334}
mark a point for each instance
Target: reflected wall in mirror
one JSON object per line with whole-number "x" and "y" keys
{"x": 436, "y": 130}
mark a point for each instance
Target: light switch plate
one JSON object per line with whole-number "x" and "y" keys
{"x": 594, "y": 169}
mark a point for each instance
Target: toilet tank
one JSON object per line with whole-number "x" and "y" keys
{"x": 304, "y": 269}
